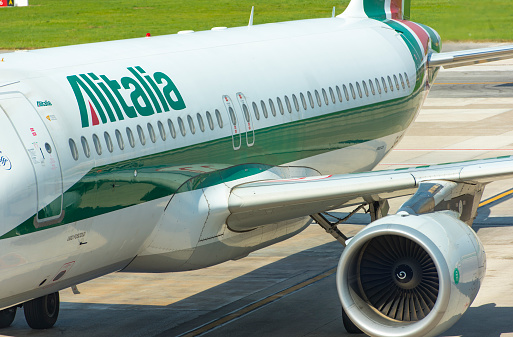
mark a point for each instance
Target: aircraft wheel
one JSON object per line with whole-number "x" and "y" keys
{"x": 349, "y": 325}
{"x": 7, "y": 316}
{"x": 42, "y": 312}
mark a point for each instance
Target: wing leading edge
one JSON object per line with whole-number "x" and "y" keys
{"x": 253, "y": 204}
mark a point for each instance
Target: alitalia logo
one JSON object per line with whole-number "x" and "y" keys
{"x": 101, "y": 99}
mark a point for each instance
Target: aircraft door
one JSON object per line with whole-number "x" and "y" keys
{"x": 248, "y": 121}
{"x": 234, "y": 122}
{"x": 42, "y": 153}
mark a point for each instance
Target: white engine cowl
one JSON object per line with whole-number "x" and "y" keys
{"x": 410, "y": 275}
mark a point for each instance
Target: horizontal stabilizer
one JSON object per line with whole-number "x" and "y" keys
{"x": 471, "y": 56}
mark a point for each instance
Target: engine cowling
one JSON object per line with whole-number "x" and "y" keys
{"x": 410, "y": 275}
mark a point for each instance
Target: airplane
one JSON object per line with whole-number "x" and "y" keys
{"x": 179, "y": 152}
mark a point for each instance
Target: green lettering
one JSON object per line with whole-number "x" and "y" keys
{"x": 169, "y": 88}
{"x": 137, "y": 93}
{"x": 77, "y": 85}
{"x": 147, "y": 88}
{"x": 99, "y": 94}
{"x": 115, "y": 87}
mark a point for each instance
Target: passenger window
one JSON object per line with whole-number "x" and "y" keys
{"x": 200, "y": 122}
{"x": 384, "y": 85}
{"x": 359, "y": 89}
{"x": 402, "y": 81}
{"x": 151, "y": 132}
{"x": 372, "y": 87}
{"x": 390, "y": 84}
{"x": 191, "y": 124}
{"x": 85, "y": 146}
{"x": 346, "y": 93}
{"x": 246, "y": 112}
{"x": 289, "y": 106}
{"x": 97, "y": 144}
{"x": 280, "y": 105}
{"x": 181, "y": 126}
{"x": 310, "y": 99}
{"x": 73, "y": 148}
{"x": 325, "y": 96}
{"x": 219, "y": 119}
{"x": 332, "y": 94}
{"x": 352, "y": 91}
{"x": 296, "y": 103}
{"x": 318, "y": 97}
{"x": 119, "y": 138}
{"x": 210, "y": 121}
{"x": 255, "y": 111}
{"x": 407, "y": 80}
{"x": 377, "y": 85}
{"x": 171, "y": 127}
{"x": 396, "y": 82}
{"x": 339, "y": 93}
{"x": 162, "y": 131}
{"x": 232, "y": 115}
{"x": 365, "y": 88}
{"x": 140, "y": 132}
{"x": 108, "y": 141}
{"x": 273, "y": 109}
{"x": 264, "y": 109}
{"x": 303, "y": 100}
{"x": 130, "y": 137}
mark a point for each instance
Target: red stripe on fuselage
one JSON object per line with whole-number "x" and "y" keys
{"x": 396, "y": 9}
{"x": 419, "y": 31}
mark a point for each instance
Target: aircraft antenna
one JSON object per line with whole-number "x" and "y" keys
{"x": 251, "y": 16}
{"x": 333, "y": 12}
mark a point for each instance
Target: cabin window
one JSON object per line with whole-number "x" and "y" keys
{"x": 191, "y": 124}
{"x": 352, "y": 90}
{"x": 280, "y": 105}
{"x": 255, "y": 111}
{"x": 325, "y": 96}
{"x": 171, "y": 127}
{"x": 162, "y": 131}
{"x": 402, "y": 81}
{"x": 108, "y": 141}
{"x": 232, "y": 115}
{"x": 273, "y": 109}
{"x": 359, "y": 89}
{"x": 407, "y": 80}
{"x": 346, "y": 93}
{"x": 97, "y": 145}
{"x": 384, "y": 85}
{"x": 396, "y": 82}
{"x": 390, "y": 84}
{"x": 289, "y": 106}
{"x": 339, "y": 93}
{"x": 140, "y": 132}
{"x": 303, "y": 100}
{"x": 371, "y": 85}
{"x": 210, "y": 121}
{"x": 318, "y": 97}
{"x": 264, "y": 109}
{"x": 377, "y": 85}
{"x": 246, "y": 112}
{"x": 365, "y": 88}
{"x": 85, "y": 146}
{"x": 200, "y": 122}
{"x": 332, "y": 95}
{"x": 310, "y": 99}
{"x": 130, "y": 137}
{"x": 119, "y": 138}
{"x": 296, "y": 103}
{"x": 73, "y": 148}
{"x": 152, "y": 133}
{"x": 219, "y": 119}
{"x": 181, "y": 126}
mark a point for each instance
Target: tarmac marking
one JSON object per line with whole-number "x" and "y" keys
{"x": 256, "y": 305}
{"x": 496, "y": 197}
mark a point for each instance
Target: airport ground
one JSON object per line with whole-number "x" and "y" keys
{"x": 289, "y": 289}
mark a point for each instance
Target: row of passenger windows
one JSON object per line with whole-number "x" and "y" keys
{"x": 373, "y": 86}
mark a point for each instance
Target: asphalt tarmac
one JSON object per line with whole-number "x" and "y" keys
{"x": 289, "y": 289}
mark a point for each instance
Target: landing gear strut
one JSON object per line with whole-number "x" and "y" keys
{"x": 42, "y": 312}
{"x": 7, "y": 316}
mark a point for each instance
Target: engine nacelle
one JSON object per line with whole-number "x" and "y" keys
{"x": 410, "y": 275}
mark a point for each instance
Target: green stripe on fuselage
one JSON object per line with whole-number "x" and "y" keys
{"x": 113, "y": 187}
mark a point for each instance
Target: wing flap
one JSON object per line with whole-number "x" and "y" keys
{"x": 471, "y": 56}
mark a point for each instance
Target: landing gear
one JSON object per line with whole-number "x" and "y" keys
{"x": 7, "y": 316}
{"x": 349, "y": 325}
{"x": 42, "y": 312}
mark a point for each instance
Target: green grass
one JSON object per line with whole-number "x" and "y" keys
{"x": 49, "y": 23}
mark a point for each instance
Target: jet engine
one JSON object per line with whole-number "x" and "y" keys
{"x": 410, "y": 275}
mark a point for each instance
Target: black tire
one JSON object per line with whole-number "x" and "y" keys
{"x": 348, "y": 324}
{"x": 42, "y": 312}
{"x": 7, "y": 317}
